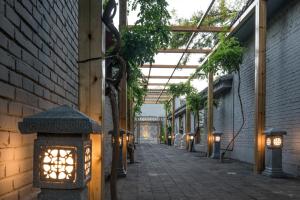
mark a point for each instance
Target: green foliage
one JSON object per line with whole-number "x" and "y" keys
{"x": 194, "y": 101}
{"x": 141, "y": 42}
{"x": 227, "y": 57}
{"x": 162, "y": 134}
{"x": 179, "y": 89}
{"x": 167, "y": 106}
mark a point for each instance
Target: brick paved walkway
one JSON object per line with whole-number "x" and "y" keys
{"x": 163, "y": 173}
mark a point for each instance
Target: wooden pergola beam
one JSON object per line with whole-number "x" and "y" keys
{"x": 201, "y": 50}
{"x": 204, "y": 29}
{"x": 170, "y": 66}
{"x": 152, "y": 102}
{"x": 167, "y": 77}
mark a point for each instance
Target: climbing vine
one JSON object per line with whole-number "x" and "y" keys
{"x": 141, "y": 42}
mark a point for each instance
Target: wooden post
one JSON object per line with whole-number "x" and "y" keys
{"x": 173, "y": 121}
{"x": 210, "y": 114}
{"x": 166, "y": 128}
{"x": 260, "y": 83}
{"x": 92, "y": 83}
{"x": 123, "y": 85}
{"x": 187, "y": 124}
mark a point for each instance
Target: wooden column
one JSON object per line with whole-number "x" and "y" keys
{"x": 173, "y": 121}
{"x": 123, "y": 84}
{"x": 260, "y": 83}
{"x": 166, "y": 128}
{"x": 91, "y": 84}
{"x": 210, "y": 114}
{"x": 187, "y": 123}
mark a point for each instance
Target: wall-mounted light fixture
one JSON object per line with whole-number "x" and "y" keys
{"x": 273, "y": 159}
{"x": 62, "y": 151}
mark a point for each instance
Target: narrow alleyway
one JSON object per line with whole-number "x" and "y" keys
{"x": 162, "y": 173}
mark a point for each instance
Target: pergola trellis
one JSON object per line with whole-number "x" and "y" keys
{"x": 259, "y": 7}
{"x": 160, "y": 94}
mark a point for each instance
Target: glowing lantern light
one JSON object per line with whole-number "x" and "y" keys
{"x": 62, "y": 150}
{"x": 216, "y": 145}
{"x": 273, "y": 158}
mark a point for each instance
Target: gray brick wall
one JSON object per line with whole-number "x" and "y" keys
{"x": 283, "y": 72}
{"x": 282, "y": 96}
{"x": 38, "y": 70}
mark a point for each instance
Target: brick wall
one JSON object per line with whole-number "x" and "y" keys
{"x": 282, "y": 92}
{"x": 38, "y": 70}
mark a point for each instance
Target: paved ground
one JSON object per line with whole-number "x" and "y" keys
{"x": 163, "y": 173}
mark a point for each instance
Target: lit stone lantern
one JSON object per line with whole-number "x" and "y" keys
{"x": 274, "y": 144}
{"x": 130, "y": 146}
{"x": 216, "y": 145}
{"x": 169, "y": 140}
{"x": 121, "y": 170}
{"x": 62, "y": 152}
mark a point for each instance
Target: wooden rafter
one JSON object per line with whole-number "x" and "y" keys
{"x": 167, "y": 77}
{"x": 201, "y": 50}
{"x": 156, "y": 84}
{"x": 196, "y": 29}
{"x": 191, "y": 39}
{"x": 170, "y": 66}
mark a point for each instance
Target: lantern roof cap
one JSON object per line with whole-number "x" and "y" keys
{"x": 274, "y": 132}
{"x": 217, "y": 133}
{"x": 61, "y": 119}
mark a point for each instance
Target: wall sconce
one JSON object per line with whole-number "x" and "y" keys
{"x": 273, "y": 159}
{"x": 62, "y": 150}
{"x": 216, "y": 145}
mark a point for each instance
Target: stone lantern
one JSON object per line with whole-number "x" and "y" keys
{"x": 62, "y": 152}
{"x": 190, "y": 138}
{"x": 121, "y": 169}
{"x": 274, "y": 144}
{"x": 130, "y": 146}
{"x": 216, "y": 145}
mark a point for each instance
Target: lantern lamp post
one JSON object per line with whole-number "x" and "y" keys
{"x": 121, "y": 169}
{"x": 191, "y": 138}
{"x": 62, "y": 152}
{"x": 130, "y": 146}
{"x": 216, "y": 145}
{"x": 274, "y": 145}
{"x": 169, "y": 140}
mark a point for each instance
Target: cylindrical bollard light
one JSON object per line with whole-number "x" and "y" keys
{"x": 273, "y": 159}
{"x": 216, "y": 145}
{"x": 62, "y": 152}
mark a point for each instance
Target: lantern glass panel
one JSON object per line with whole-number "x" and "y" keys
{"x": 217, "y": 138}
{"x": 191, "y": 137}
{"x": 268, "y": 141}
{"x": 58, "y": 163}
{"x": 87, "y": 161}
{"x": 277, "y": 141}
